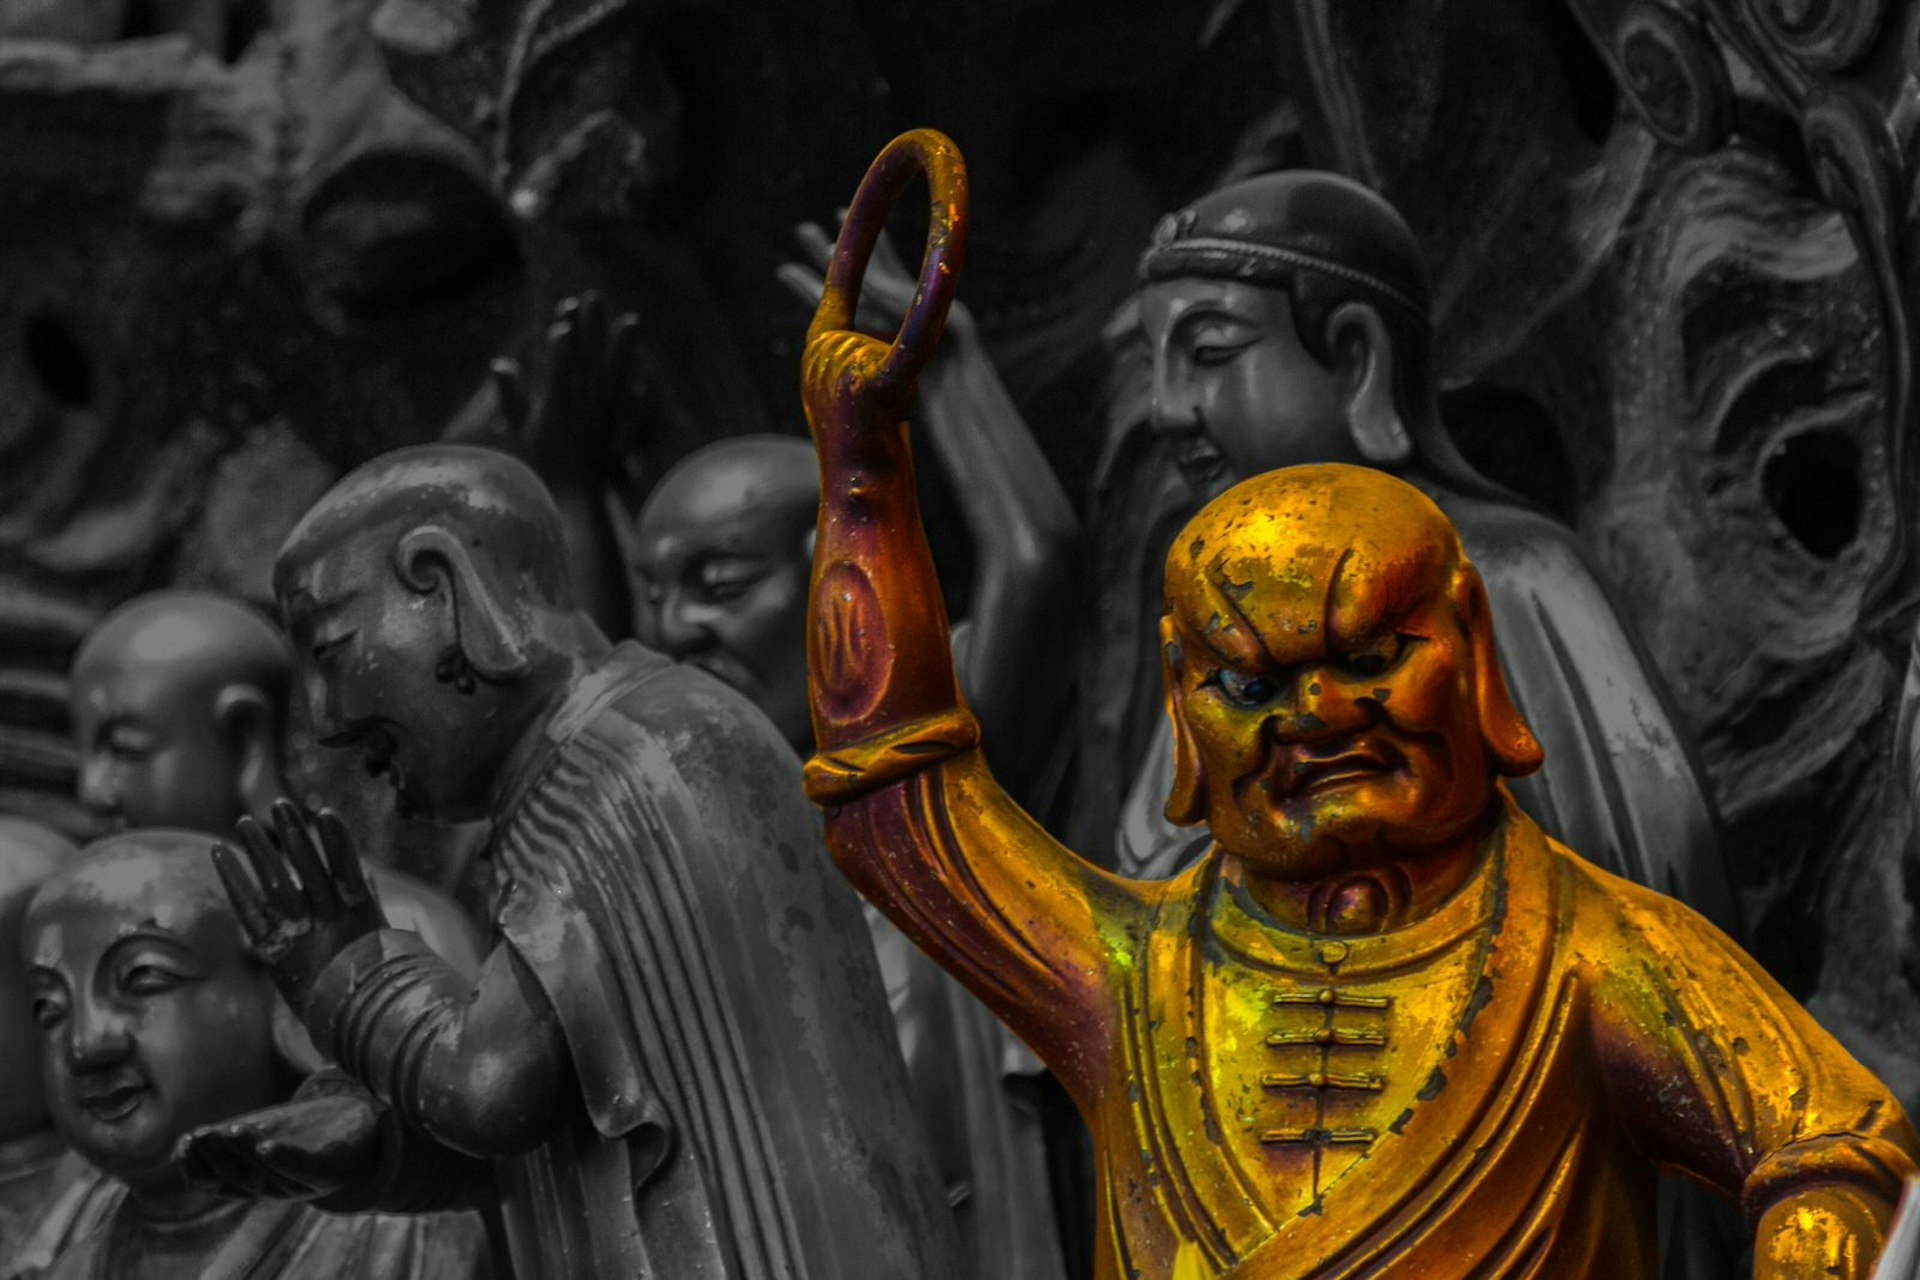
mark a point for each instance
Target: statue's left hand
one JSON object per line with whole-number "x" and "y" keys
{"x": 307, "y": 898}
{"x": 300, "y": 1150}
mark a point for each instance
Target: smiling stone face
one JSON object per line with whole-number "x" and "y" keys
{"x": 153, "y": 1017}
{"x": 1330, "y": 662}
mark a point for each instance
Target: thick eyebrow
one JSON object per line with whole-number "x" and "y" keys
{"x": 1245, "y": 647}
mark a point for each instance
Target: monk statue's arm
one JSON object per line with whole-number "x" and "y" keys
{"x": 479, "y": 1066}
{"x": 335, "y": 1145}
{"x": 912, "y": 815}
{"x": 1718, "y": 1072}
{"x": 1023, "y": 528}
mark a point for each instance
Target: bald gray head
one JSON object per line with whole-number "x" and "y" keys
{"x": 162, "y": 873}
{"x": 153, "y": 1015}
{"x": 194, "y": 637}
{"x": 487, "y": 501}
{"x": 770, "y": 478}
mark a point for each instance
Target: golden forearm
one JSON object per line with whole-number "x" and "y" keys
{"x": 913, "y": 817}
{"x": 878, "y": 655}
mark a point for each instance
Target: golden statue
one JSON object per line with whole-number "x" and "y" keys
{"x": 1385, "y": 1027}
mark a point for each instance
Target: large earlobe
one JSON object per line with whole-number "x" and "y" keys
{"x": 250, "y": 721}
{"x": 1364, "y": 348}
{"x": 495, "y": 647}
{"x": 1510, "y": 743}
{"x": 1187, "y": 804}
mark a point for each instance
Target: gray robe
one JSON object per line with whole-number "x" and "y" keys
{"x": 660, "y": 871}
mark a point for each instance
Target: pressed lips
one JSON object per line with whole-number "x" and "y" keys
{"x": 1302, "y": 772}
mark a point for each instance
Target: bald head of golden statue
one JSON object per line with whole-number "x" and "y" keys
{"x": 1337, "y": 702}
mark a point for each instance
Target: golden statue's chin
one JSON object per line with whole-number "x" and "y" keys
{"x": 1323, "y": 829}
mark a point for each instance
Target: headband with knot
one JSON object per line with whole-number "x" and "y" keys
{"x": 1266, "y": 230}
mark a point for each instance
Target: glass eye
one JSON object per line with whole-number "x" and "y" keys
{"x": 1243, "y": 690}
{"x": 48, "y": 1011}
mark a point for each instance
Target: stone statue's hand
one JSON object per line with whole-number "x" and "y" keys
{"x": 566, "y": 435}
{"x": 298, "y": 1151}
{"x": 307, "y": 898}
{"x": 886, "y": 291}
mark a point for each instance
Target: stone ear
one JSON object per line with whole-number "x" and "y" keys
{"x": 1510, "y": 743}
{"x": 1187, "y": 805}
{"x": 1373, "y": 412}
{"x": 252, "y": 723}
{"x": 494, "y": 646}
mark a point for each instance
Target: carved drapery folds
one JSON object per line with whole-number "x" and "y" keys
{"x": 229, "y": 272}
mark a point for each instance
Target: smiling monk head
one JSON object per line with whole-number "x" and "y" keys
{"x": 154, "y": 1017}
{"x": 1337, "y": 700}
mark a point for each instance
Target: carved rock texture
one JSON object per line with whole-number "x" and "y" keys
{"x": 225, "y": 281}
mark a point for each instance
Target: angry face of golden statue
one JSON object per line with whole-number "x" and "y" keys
{"x": 1331, "y": 674}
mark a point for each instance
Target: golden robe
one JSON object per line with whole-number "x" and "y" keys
{"x": 1485, "y": 1092}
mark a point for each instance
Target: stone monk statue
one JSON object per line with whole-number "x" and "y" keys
{"x": 1385, "y": 1026}
{"x": 179, "y": 710}
{"x": 676, "y": 1061}
{"x": 1287, "y": 316}
{"x": 154, "y": 1017}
